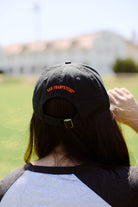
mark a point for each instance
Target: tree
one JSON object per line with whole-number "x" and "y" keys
{"x": 125, "y": 66}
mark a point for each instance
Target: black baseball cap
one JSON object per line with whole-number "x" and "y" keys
{"x": 79, "y": 84}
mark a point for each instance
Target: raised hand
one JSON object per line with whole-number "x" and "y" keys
{"x": 124, "y": 107}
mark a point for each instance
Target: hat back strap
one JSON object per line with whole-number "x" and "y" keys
{"x": 61, "y": 122}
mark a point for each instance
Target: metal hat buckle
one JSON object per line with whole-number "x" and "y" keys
{"x": 68, "y": 123}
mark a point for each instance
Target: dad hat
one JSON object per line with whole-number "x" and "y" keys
{"x": 79, "y": 84}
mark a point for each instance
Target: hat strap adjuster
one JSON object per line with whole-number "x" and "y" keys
{"x": 68, "y": 123}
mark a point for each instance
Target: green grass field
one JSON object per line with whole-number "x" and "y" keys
{"x": 16, "y": 110}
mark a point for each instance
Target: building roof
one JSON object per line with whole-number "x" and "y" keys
{"x": 80, "y": 42}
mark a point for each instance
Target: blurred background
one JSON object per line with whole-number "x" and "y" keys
{"x": 35, "y": 34}
{"x": 38, "y": 33}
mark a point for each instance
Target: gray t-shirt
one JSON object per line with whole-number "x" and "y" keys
{"x": 81, "y": 186}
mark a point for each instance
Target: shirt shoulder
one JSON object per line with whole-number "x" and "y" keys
{"x": 9, "y": 179}
{"x": 116, "y": 185}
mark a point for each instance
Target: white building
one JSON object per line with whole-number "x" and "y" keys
{"x": 98, "y": 50}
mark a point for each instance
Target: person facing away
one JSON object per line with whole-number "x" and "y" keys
{"x": 83, "y": 159}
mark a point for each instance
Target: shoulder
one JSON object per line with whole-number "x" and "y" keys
{"x": 117, "y": 185}
{"x": 9, "y": 179}
{"x": 133, "y": 175}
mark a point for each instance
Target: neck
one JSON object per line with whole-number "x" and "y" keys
{"x": 56, "y": 158}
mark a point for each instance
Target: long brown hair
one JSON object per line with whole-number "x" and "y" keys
{"x": 96, "y": 138}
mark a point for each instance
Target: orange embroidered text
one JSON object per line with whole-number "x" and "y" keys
{"x": 59, "y": 87}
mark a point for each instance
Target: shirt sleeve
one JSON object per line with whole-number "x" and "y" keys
{"x": 9, "y": 179}
{"x": 118, "y": 186}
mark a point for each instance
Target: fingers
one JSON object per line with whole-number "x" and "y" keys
{"x": 115, "y": 96}
{"x": 124, "y": 107}
{"x": 119, "y": 95}
{"x": 119, "y": 91}
{"x": 125, "y": 91}
{"x": 111, "y": 98}
{"x": 122, "y": 99}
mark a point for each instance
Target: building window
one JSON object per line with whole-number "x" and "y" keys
{"x": 45, "y": 66}
{"x": 33, "y": 69}
{"x": 74, "y": 43}
{"x": 21, "y": 70}
{"x": 10, "y": 70}
{"x": 24, "y": 48}
{"x": 49, "y": 45}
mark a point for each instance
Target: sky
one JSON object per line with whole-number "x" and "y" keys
{"x": 23, "y": 21}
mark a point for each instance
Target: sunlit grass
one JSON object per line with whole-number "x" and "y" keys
{"x": 16, "y": 110}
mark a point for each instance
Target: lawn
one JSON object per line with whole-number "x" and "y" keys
{"x": 16, "y": 110}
